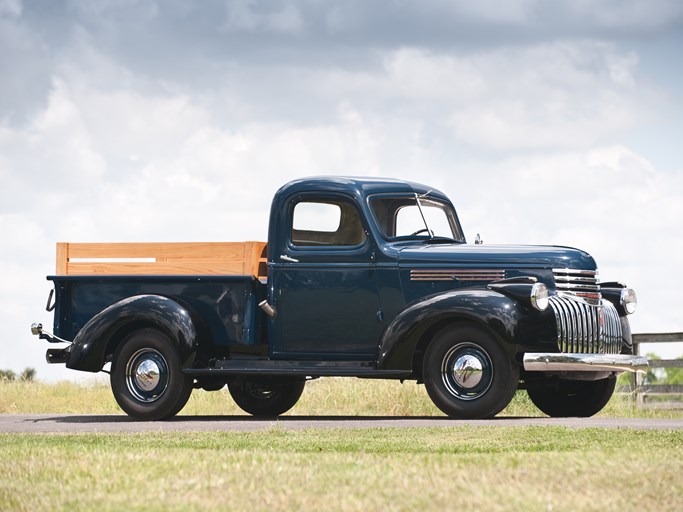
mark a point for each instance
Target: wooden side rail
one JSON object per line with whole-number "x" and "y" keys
{"x": 184, "y": 258}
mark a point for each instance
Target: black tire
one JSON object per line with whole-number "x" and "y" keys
{"x": 211, "y": 383}
{"x": 467, "y": 374}
{"x": 571, "y": 398}
{"x": 146, "y": 377}
{"x": 261, "y": 397}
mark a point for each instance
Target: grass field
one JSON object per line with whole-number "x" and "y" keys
{"x": 381, "y": 469}
{"x": 330, "y": 396}
{"x": 489, "y": 468}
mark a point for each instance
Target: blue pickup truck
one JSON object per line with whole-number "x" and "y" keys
{"x": 360, "y": 277}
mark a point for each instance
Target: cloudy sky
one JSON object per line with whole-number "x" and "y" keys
{"x": 548, "y": 122}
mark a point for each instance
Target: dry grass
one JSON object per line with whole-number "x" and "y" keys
{"x": 322, "y": 397}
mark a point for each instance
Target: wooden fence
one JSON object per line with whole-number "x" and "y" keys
{"x": 665, "y": 396}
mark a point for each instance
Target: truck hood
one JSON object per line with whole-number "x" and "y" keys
{"x": 504, "y": 256}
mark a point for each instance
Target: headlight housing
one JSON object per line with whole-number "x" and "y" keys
{"x": 628, "y": 300}
{"x": 539, "y": 296}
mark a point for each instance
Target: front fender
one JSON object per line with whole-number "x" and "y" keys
{"x": 89, "y": 348}
{"x": 497, "y": 312}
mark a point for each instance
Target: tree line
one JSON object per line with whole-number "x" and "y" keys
{"x": 28, "y": 374}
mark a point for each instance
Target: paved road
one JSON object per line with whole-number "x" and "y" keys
{"x": 68, "y": 423}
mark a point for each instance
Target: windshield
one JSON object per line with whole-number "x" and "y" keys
{"x": 411, "y": 216}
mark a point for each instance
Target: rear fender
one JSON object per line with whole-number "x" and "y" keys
{"x": 94, "y": 340}
{"x": 492, "y": 310}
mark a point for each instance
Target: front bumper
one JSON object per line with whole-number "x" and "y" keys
{"x": 554, "y": 362}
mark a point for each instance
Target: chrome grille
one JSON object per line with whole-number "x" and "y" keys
{"x": 584, "y": 328}
{"x": 578, "y": 283}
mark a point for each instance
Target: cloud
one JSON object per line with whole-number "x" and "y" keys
{"x": 10, "y": 8}
{"x": 142, "y": 121}
{"x": 199, "y": 47}
{"x": 563, "y": 94}
{"x": 253, "y": 16}
{"x": 608, "y": 200}
{"x": 629, "y": 14}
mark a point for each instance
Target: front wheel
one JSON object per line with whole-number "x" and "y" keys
{"x": 467, "y": 374}
{"x": 571, "y": 398}
{"x": 146, "y": 377}
{"x": 261, "y": 397}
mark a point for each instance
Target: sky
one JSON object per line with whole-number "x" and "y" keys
{"x": 546, "y": 122}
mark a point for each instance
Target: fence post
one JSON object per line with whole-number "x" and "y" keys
{"x": 638, "y": 381}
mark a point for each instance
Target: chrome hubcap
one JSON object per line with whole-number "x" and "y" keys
{"x": 147, "y": 375}
{"x": 467, "y": 371}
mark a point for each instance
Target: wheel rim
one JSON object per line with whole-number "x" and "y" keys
{"x": 147, "y": 375}
{"x": 259, "y": 391}
{"x": 467, "y": 371}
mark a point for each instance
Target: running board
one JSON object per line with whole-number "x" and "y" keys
{"x": 266, "y": 367}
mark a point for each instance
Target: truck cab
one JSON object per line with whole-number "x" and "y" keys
{"x": 362, "y": 277}
{"x": 332, "y": 264}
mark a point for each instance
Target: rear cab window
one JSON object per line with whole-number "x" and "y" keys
{"x": 326, "y": 223}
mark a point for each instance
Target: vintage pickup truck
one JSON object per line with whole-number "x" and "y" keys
{"x": 360, "y": 277}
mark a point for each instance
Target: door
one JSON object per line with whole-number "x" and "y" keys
{"x": 324, "y": 282}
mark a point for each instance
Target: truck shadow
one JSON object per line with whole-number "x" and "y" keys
{"x": 85, "y": 419}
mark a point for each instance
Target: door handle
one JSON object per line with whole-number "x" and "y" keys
{"x": 284, "y": 257}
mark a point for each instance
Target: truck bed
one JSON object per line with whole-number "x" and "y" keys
{"x": 184, "y": 258}
{"x": 223, "y": 281}
{"x": 227, "y": 304}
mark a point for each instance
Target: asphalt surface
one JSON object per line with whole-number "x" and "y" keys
{"x": 72, "y": 423}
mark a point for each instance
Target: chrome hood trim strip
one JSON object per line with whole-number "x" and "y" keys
{"x": 457, "y": 275}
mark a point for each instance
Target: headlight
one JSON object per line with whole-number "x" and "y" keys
{"x": 628, "y": 300}
{"x": 539, "y": 296}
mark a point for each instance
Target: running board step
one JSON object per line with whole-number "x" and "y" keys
{"x": 234, "y": 367}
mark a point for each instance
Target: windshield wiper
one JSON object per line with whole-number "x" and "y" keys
{"x": 444, "y": 240}
{"x": 419, "y": 207}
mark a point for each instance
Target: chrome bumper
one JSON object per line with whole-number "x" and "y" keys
{"x": 554, "y": 362}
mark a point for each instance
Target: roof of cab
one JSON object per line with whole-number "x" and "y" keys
{"x": 364, "y": 186}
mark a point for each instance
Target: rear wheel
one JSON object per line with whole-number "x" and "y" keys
{"x": 146, "y": 377}
{"x": 263, "y": 397}
{"x": 571, "y": 398}
{"x": 467, "y": 374}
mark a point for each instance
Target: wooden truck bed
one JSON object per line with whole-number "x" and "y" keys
{"x": 183, "y": 258}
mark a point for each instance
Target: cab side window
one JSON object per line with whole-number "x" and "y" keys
{"x": 326, "y": 223}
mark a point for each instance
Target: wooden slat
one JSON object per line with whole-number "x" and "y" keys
{"x": 62, "y": 258}
{"x": 665, "y": 363}
{"x": 660, "y": 337}
{"x": 169, "y": 251}
{"x": 184, "y": 258}
{"x": 257, "y": 251}
{"x": 662, "y": 405}
{"x": 661, "y": 388}
{"x": 159, "y": 268}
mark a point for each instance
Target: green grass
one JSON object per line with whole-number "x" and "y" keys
{"x": 489, "y": 468}
{"x": 322, "y": 397}
{"x": 532, "y": 468}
